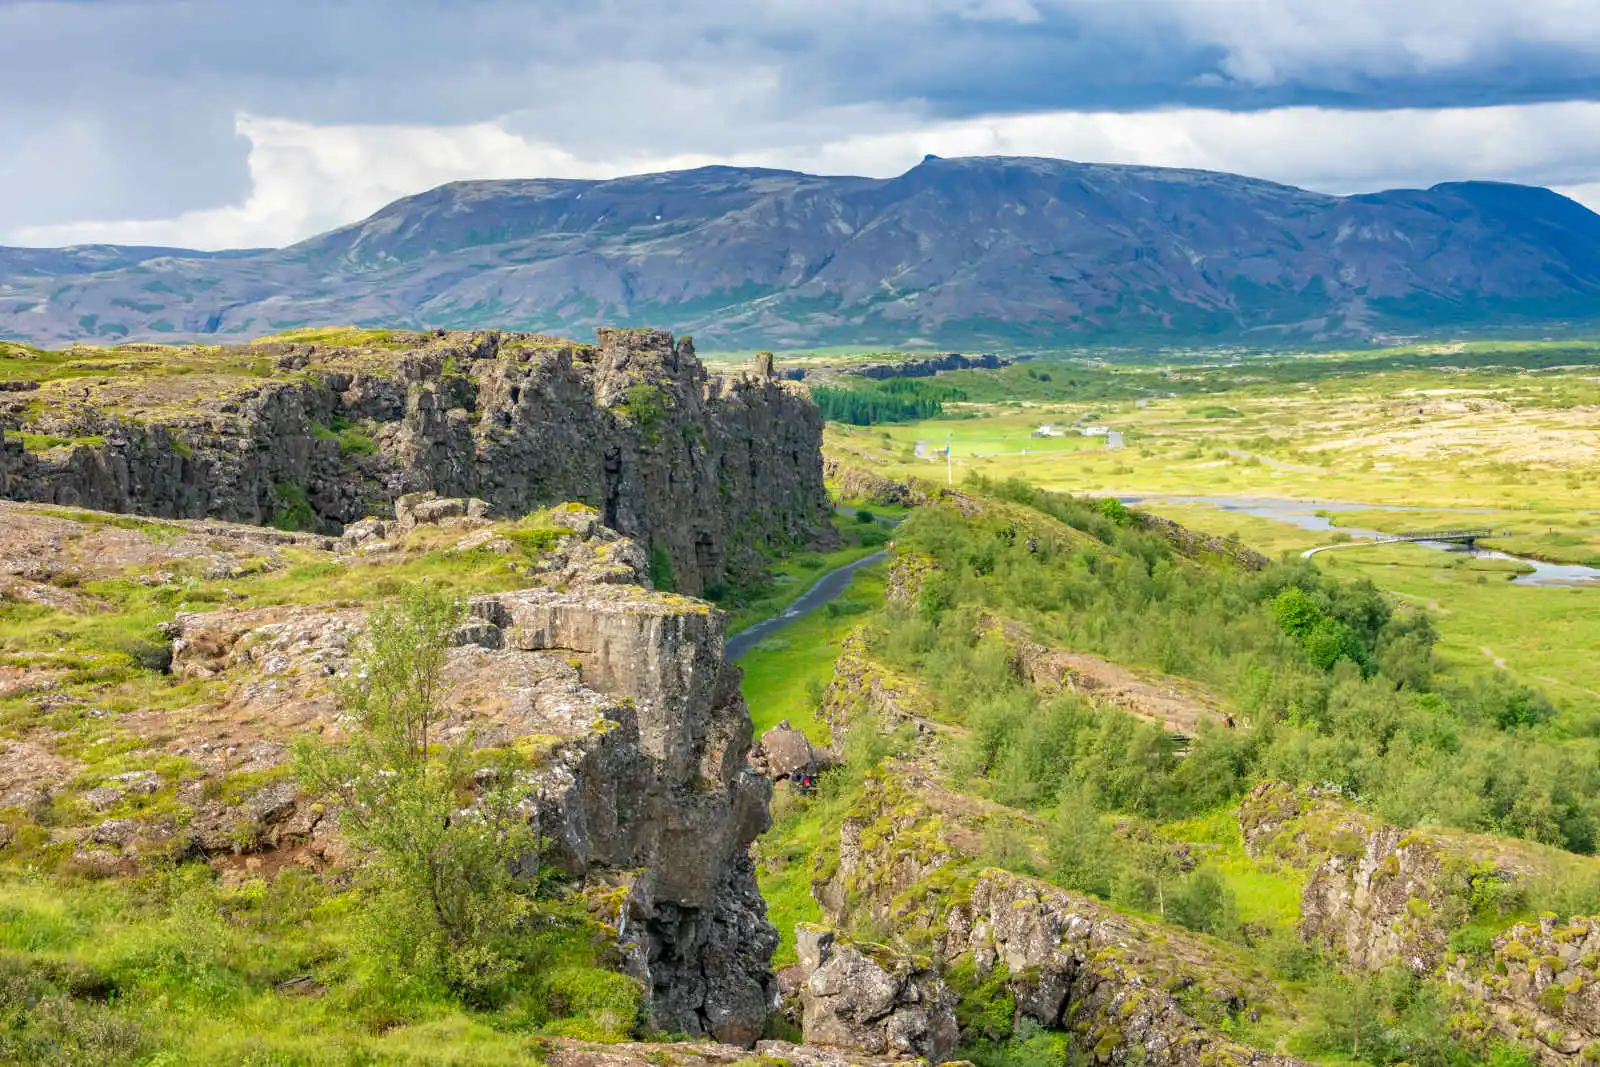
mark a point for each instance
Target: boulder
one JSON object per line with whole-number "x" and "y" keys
{"x": 876, "y": 1002}
{"x": 784, "y": 752}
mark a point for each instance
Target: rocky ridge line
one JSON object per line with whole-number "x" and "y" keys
{"x": 706, "y": 471}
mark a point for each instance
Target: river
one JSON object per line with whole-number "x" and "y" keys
{"x": 1303, "y": 513}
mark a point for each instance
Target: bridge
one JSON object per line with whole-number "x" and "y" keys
{"x": 1456, "y": 537}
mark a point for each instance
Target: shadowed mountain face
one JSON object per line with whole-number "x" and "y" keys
{"x": 963, "y": 251}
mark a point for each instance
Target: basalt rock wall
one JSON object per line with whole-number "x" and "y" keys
{"x": 626, "y": 715}
{"x": 705, "y": 471}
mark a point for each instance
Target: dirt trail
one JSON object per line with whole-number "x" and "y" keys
{"x": 1177, "y": 704}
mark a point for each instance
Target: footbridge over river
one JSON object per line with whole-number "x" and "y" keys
{"x": 1457, "y": 537}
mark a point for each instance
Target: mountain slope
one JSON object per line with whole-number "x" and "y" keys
{"x": 953, "y": 251}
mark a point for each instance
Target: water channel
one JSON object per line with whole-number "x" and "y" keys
{"x": 1304, "y": 514}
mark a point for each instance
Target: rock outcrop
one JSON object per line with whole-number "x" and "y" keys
{"x": 858, "y": 483}
{"x": 1112, "y": 980}
{"x": 872, "y": 1000}
{"x": 1378, "y": 895}
{"x": 1178, "y": 705}
{"x": 563, "y": 1052}
{"x": 10, "y": 457}
{"x": 1200, "y": 546}
{"x": 927, "y": 368}
{"x": 703, "y": 471}
{"x": 621, "y": 700}
{"x": 784, "y": 752}
{"x": 908, "y": 859}
{"x": 1540, "y": 984}
{"x": 864, "y": 687}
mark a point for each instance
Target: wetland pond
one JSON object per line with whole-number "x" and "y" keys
{"x": 1312, "y": 515}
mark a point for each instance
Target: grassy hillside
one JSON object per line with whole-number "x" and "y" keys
{"x": 1004, "y": 766}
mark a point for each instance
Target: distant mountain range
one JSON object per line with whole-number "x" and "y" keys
{"x": 979, "y": 251}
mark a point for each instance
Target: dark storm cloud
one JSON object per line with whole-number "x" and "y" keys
{"x": 126, "y": 108}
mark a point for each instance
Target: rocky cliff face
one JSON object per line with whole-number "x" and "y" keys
{"x": 1128, "y": 990}
{"x": 622, "y": 697}
{"x": 703, "y": 471}
{"x": 900, "y": 368}
{"x": 927, "y": 368}
{"x": 1541, "y": 985}
{"x": 873, "y": 1000}
{"x": 1377, "y": 895}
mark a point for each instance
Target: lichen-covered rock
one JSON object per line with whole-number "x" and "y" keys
{"x": 705, "y": 470}
{"x": 908, "y": 860}
{"x": 864, "y": 687}
{"x": 1541, "y": 984}
{"x": 1379, "y": 895}
{"x": 1112, "y": 980}
{"x": 563, "y": 1052}
{"x": 873, "y": 1001}
{"x": 859, "y": 483}
{"x": 906, "y": 575}
{"x": 1376, "y": 894}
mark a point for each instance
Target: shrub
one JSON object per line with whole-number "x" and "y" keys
{"x": 1203, "y": 902}
{"x": 646, "y": 408}
{"x": 443, "y": 878}
{"x": 293, "y": 510}
{"x": 661, "y": 569}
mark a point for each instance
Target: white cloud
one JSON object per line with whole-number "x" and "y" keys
{"x": 307, "y": 178}
{"x": 1330, "y": 150}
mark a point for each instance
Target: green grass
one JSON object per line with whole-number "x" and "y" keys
{"x": 35, "y": 442}
{"x": 340, "y": 335}
{"x": 792, "y": 575}
{"x": 787, "y": 863}
{"x": 1265, "y": 896}
{"x": 784, "y": 675}
{"x": 180, "y": 969}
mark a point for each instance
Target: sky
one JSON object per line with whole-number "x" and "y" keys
{"x": 249, "y": 123}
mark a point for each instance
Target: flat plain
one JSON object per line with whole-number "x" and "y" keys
{"x": 1504, "y": 437}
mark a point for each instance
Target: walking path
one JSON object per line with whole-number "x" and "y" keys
{"x": 826, "y": 588}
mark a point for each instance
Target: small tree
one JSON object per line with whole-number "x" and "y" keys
{"x": 442, "y": 857}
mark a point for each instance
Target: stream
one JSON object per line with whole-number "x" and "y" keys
{"x": 826, "y": 588}
{"x": 1303, "y": 513}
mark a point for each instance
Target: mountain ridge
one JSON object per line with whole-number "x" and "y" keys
{"x": 990, "y": 249}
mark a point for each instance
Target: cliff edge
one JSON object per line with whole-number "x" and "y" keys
{"x": 320, "y": 429}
